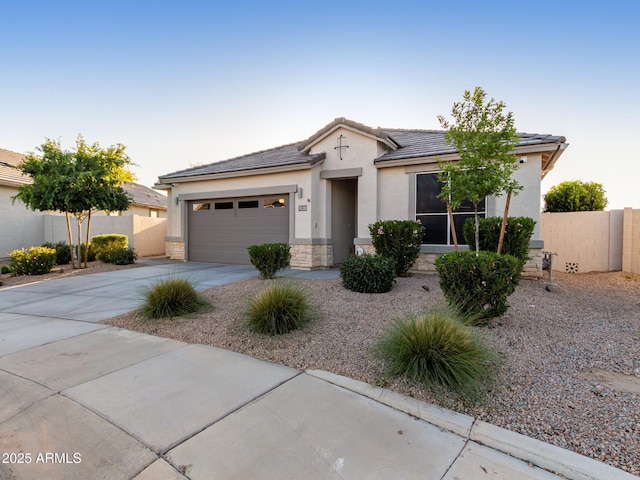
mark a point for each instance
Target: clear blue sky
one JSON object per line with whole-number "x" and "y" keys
{"x": 185, "y": 82}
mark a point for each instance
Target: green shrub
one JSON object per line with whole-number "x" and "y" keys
{"x": 368, "y": 273}
{"x": 517, "y": 235}
{"x": 103, "y": 243}
{"x": 436, "y": 349}
{"x": 34, "y": 261}
{"x": 278, "y": 309}
{"x": 171, "y": 298}
{"x": 5, "y": 270}
{"x": 91, "y": 257}
{"x": 397, "y": 239}
{"x": 119, "y": 256}
{"x": 575, "y": 196}
{"x": 63, "y": 252}
{"x": 477, "y": 284}
{"x": 269, "y": 258}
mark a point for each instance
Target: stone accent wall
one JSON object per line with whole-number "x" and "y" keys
{"x": 425, "y": 263}
{"x": 309, "y": 257}
{"x": 175, "y": 250}
{"x": 532, "y": 269}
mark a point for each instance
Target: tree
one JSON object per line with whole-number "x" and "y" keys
{"x": 575, "y": 196}
{"x": 76, "y": 182}
{"x": 485, "y": 139}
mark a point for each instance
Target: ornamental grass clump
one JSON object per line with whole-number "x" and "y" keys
{"x": 438, "y": 350}
{"x": 172, "y": 298}
{"x": 278, "y": 308}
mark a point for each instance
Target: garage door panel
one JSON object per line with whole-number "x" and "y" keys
{"x": 221, "y": 235}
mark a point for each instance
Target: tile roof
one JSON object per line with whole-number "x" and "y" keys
{"x": 145, "y": 196}
{"x": 9, "y": 173}
{"x": 429, "y": 143}
{"x": 286, "y": 155}
{"x": 405, "y": 144}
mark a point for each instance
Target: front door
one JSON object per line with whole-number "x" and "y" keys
{"x": 343, "y": 217}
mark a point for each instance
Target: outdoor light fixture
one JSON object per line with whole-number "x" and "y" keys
{"x": 299, "y": 192}
{"x": 176, "y": 200}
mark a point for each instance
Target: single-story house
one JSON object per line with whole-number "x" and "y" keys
{"x": 320, "y": 195}
{"x": 21, "y": 227}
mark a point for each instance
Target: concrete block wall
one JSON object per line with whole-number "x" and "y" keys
{"x": 593, "y": 241}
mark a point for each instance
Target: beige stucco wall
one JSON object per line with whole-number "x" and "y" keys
{"x": 584, "y": 241}
{"x": 146, "y": 235}
{"x": 19, "y": 226}
{"x": 360, "y": 154}
{"x": 631, "y": 241}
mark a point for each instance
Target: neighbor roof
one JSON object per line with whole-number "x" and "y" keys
{"x": 10, "y": 175}
{"x": 403, "y": 145}
{"x": 145, "y": 196}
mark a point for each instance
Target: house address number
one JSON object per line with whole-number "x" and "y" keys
{"x": 302, "y": 208}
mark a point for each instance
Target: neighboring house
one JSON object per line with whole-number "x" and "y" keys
{"x": 145, "y": 202}
{"x": 21, "y": 227}
{"x": 321, "y": 194}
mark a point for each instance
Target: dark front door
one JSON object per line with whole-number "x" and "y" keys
{"x": 344, "y": 195}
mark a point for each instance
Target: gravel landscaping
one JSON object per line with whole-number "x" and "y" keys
{"x": 571, "y": 370}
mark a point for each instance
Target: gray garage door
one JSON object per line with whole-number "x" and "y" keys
{"x": 221, "y": 230}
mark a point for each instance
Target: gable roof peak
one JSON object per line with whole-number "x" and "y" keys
{"x": 377, "y": 133}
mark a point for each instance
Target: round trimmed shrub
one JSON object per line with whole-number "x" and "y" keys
{"x": 34, "y": 261}
{"x": 477, "y": 284}
{"x": 269, "y": 258}
{"x": 278, "y": 309}
{"x": 172, "y": 298}
{"x": 517, "y": 235}
{"x": 119, "y": 256}
{"x": 368, "y": 273}
{"x": 63, "y": 252}
{"x": 398, "y": 239}
{"x": 436, "y": 349}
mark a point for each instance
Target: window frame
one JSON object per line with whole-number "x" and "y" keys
{"x": 467, "y": 210}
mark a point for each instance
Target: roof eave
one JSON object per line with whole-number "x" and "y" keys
{"x": 165, "y": 183}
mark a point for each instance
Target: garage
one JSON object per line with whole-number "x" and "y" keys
{"x": 220, "y": 230}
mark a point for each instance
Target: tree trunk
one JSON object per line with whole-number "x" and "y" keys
{"x": 503, "y": 228}
{"x": 86, "y": 243}
{"x": 79, "y": 222}
{"x": 73, "y": 262}
{"x": 454, "y": 235}
{"x": 477, "y": 223}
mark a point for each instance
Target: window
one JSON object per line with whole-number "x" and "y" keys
{"x": 433, "y": 213}
{"x": 276, "y": 202}
{"x": 201, "y": 206}
{"x": 248, "y": 204}
{"x": 223, "y": 206}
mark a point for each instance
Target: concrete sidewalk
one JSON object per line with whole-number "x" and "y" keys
{"x": 83, "y": 400}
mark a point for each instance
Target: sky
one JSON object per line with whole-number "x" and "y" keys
{"x": 182, "y": 83}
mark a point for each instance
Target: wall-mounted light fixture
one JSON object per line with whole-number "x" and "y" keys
{"x": 299, "y": 192}
{"x": 176, "y": 200}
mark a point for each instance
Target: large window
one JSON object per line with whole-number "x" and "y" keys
{"x": 433, "y": 213}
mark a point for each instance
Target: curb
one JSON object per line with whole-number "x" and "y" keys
{"x": 551, "y": 458}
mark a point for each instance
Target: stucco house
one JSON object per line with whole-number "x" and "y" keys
{"x": 319, "y": 195}
{"x": 21, "y": 227}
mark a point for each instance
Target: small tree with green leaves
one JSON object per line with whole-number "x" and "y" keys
{"x": 485, "y": 138}
{"x": 575, "y": 196}
{"x": 76, "y": 182}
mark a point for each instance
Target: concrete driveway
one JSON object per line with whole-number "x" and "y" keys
{"x": 82, "y": 400}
